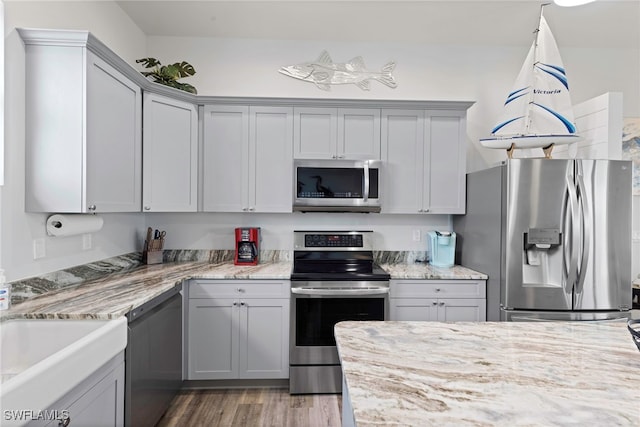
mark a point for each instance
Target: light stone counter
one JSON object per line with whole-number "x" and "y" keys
{"x": 428, "y": 271}
{"x": 112, "y": 295}
{"x": 112, "y": 287}
{"x": 489, "y": 374}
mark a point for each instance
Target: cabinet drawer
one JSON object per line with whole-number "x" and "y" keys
{"x": 212, "y": 288}
{"x": 438, "y": 289}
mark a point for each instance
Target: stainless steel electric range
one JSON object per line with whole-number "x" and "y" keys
{"x": 334, "y": 279}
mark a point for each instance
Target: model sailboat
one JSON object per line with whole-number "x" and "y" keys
{"x": 538, "y": 111}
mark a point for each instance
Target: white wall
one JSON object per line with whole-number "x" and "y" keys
{"x": 205, "y": 231}
{"x": 18, "y": 229}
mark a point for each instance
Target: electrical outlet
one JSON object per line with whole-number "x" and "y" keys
{"x": 416, "y": 235}
{"x": 38, "y": 248}
{"x": 86, "y": 241}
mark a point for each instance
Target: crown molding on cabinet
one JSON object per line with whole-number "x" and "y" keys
{"x": 80, "y": 38}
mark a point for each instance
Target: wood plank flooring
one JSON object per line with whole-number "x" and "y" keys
{"x": 252, "y": 407}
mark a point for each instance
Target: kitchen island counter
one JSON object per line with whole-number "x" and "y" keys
{"x": 495, "y": 373}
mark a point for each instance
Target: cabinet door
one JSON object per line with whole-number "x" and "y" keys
{"x": 114, "y": 140}
{"x": 358, "y": 133}
{"x": 225, "y": 153}
{"x": 170, "y": 155}
{"x": 213, "y": 339}
{"x": 402, "y": 152}
{"x": 270, "y": 159}
{"x": 264, "y": 338}
{"x": 97, "y": 401}
{"x": 445, "y": 160}
{"x": 462, "y": 310}
{"x": 413, "y": 309}
{"x": 315, "y": 132}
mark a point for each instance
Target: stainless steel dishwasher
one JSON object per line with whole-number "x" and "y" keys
{"x": 153, "y": 358}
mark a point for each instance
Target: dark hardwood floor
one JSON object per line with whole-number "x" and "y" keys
{"x": 252, "y": 407}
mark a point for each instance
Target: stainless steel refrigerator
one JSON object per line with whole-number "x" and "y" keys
{"x": 554, "y": 237}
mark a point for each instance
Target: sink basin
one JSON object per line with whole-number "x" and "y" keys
{"x": 42, "y": 360}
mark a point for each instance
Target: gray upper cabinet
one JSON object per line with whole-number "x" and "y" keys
{"x": 170, "y": 155}
{"x": 83, "y": 133}
{"x": 241, "y": 145}
{"x": 424, "y": 154}
{"x": 336, "y": 133}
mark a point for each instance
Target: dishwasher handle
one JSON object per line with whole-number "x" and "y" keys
{"x": 143, "y": 309}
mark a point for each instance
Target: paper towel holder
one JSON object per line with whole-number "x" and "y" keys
{"x": 61, "y": 225}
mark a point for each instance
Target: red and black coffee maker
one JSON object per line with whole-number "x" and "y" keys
{"x": 247, "y": 246}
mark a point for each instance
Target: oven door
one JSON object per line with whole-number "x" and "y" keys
{"x": 315, "y": 309}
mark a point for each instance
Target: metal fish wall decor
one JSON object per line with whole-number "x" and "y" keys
{"x": 323, "y": 72}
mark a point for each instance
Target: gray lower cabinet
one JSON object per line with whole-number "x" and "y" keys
{"x": 238, "y": 329}
{"x": 438, "y": 300}
{"x": 98, "y": 401}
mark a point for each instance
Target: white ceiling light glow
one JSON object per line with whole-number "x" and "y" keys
{"x": 569, "y": 3}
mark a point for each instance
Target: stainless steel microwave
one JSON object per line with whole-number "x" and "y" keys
{"x": 337, "y": 185}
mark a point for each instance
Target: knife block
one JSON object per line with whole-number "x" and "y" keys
{"x": 152, "y": 257}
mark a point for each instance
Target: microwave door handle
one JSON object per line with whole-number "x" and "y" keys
{"x": 366, "y": 180}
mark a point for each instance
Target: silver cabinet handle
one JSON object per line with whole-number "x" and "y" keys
{"x": 242, "y": 303}
{"x": 441, "y": 303}
{"x": 438, "y": 289}
{"x": 434, "y": 302}
{"x": 240, "y": 290}
{"x": 147, "y": 208}
{"x": 235, "y": 303}
{"x": 92, "y": 207}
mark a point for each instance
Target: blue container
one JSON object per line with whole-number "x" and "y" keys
{"x": 442, "y": 248}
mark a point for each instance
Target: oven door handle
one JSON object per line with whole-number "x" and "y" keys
{"x": 339, "y": 292}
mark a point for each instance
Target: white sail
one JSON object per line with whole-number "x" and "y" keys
{"x": 538, "y": 111}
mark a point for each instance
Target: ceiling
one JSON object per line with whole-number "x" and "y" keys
{"x": 605, "y": 23}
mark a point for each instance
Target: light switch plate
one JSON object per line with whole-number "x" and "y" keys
{"x": 39, "y": 250}
{"x": 86, "y": 241}
{"x": 416, "y": 235}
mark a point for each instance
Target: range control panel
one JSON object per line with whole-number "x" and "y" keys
{"x": 332, "y": 240}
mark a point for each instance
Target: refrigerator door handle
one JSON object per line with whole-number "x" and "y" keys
{"x": 585, "y": 221}
{"x": 573, "y": 239}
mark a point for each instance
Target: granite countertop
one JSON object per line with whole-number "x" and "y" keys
{"x": 428, "y": 271}
{"x": 116, "y": 294}
{"x": 111, "y": 288}
{"x": 494, "y": 373}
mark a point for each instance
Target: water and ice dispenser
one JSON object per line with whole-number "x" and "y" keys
{"x": 542, "y": 257}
